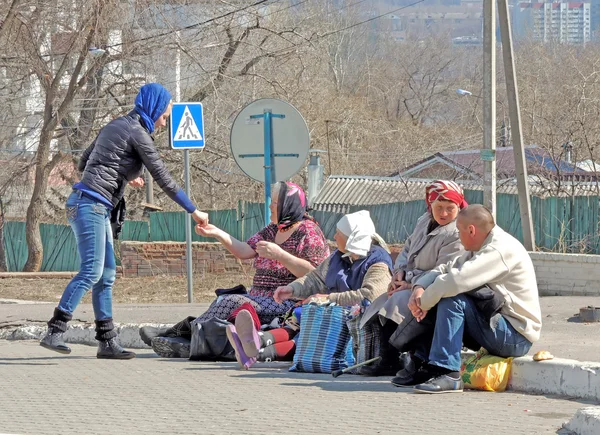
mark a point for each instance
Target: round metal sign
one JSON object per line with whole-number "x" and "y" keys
{"x": 289, "y": 141}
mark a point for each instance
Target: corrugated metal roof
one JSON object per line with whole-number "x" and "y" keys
{"x": 539, "y": 162}
{"x": 340, "y": 193}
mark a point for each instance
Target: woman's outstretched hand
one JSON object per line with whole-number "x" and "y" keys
{"x": 200, "y": 217}
{"x": 207, "y": 230}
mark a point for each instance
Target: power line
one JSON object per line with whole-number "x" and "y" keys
{"x": 154, "y": 36}
{"x": 196, "y": 75}
{"x": 303, "y": 42}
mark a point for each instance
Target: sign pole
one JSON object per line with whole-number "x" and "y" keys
{"x": 268, "y": 177}
{"x": 188, "y": 229}
{"x": 268, "y": 156}
{"x": 187, "y": 132}
{"x": 186, "y": 176}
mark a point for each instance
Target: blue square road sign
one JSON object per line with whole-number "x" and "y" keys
{"x": 187, "y": 126}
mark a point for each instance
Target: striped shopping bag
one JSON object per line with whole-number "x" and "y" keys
{"x": 324, "y": 343}
{"x": 365, "y": 340}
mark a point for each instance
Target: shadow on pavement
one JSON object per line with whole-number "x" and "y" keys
{"x": 31, "y": 361}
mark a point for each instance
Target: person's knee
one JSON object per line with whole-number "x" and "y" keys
{"x": 453, "y": 302}
{"x": 90, "y": 274}
{"x": 108, "y": 276}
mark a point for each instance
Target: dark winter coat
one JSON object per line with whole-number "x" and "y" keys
{"x": 118, "y": 155}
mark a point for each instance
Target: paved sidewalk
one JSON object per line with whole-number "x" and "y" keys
{"x": 562, "y": 334}
{"x": 48, "y": 393}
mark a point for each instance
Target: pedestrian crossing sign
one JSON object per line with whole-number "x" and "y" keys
{"x": 187, "y": 126}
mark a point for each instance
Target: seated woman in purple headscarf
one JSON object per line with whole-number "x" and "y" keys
{"x": 289, "y": 247}
{"x": 115, "y": 158}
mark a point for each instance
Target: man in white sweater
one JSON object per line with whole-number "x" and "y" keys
{"x": 496, "y": 264}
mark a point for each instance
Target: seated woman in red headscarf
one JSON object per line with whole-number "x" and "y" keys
{"x": 434, "y": 241}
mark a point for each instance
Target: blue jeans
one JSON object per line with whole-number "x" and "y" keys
{"x": 458, "y": 316}
{"x": 90, "y": 222}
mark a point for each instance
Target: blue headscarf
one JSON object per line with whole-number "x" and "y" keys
{"x": 151, "y": 102}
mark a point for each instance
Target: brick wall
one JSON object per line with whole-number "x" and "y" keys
{"x": 557, "y": 274}
{"x": 168, "y": 258}
{"x": 567, "y": 274}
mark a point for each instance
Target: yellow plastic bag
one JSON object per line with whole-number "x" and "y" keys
{"x": 483, "y": 371}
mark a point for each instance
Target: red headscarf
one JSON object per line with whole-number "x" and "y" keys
{"x": 443, "y": 189}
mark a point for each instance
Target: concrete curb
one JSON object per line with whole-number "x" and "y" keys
{"x": 586, "y": 421}
{"x": 129, "y": 335}
{"x": 38, "y": 275}
{"x": 564, "y": 377}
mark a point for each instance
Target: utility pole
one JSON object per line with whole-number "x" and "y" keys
{"x": 515, "y": 122}
{"x": 488, "y": 153}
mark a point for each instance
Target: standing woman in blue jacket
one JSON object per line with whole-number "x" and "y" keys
{"x": 115, "y": 158}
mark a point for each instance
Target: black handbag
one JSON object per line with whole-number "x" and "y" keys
{"x": 237, "y": 290}
{"x": 117, "y": 218}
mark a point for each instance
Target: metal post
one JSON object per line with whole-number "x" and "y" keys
{"x": 515, "y": 122}
{"x": 328, "y": 148}
{"x": 149, "y": 188}
{"x": 488, "y": 154}
{"x": 268, "y": 132}
{"x": 186, "y": 176}
{"x": 315, "y": 176}
{"x": 188, "y": 230}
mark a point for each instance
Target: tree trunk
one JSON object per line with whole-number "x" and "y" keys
{"x": 35, "y": 250}
{"x": 3, "y": 264}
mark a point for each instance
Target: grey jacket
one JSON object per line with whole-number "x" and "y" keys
{"x": 424, "y": 250}
{"x": 118, "y": 155}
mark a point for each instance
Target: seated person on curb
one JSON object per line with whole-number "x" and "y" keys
{"x": 434, "y": 241}
{"x": 289, "y": 247}
{"x": 359, "y": 269}
{"x": 487, "y": 297}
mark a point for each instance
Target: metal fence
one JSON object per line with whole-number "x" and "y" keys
{"x": 561, "y": 225}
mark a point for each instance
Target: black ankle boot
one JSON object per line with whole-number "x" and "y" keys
{"x": 57, "y": 326}
{"x": 147, "y": 333}
{"x": 108, "y": 346}
{"x": 180, "y": 329}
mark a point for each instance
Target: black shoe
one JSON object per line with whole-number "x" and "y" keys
{"x": 411, "y": 378}
{"x": 171, "y": 347}
{"x": 54, "y": 341}
{"x": 147, "y": 333}
{"x": 111, "y": 349}
{"x": 411, "y": 365}
{"x": 441, "y": 384}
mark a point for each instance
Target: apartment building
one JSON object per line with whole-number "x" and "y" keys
{"x": 562, "y": 22}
